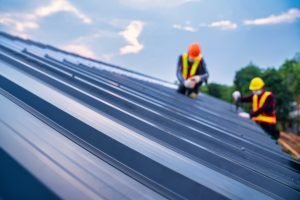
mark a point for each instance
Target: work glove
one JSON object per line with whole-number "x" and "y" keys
{"x": 189, "y": 83}
{"x": 236, "y": 95}
{"x": 244, "y": 115}
{"x": 196, "y": 78}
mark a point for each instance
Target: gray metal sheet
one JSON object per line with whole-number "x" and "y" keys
{"x": 157, "y": 106}
{"x": 66, "y": 168}
{"x": 147, "y": 147}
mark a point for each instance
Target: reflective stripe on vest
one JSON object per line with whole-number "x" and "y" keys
{"x": 256, "y": 105}
{"x": 185, "y": 66}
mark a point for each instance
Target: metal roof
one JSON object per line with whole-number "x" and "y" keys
{"x": 78, "y": 128}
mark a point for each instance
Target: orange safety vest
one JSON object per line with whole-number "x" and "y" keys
{"x": 256, "y": 105}
{"x": 185, "y": 66}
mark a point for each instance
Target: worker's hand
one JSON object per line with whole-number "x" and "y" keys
{"x": 236, "y": 95}
{"x": 196, "y": 78}
{"x": 189, "y": 83}
{"x": 186, "y": 83}
{"x": 244, "y": 115}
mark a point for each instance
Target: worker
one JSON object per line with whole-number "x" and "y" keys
{"x": 263, "y": 107}
{"x": 191, "y": 71}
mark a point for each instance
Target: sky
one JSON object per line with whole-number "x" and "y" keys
{"x": 148, "y": 36}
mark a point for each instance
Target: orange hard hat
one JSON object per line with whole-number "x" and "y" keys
{"x": 194, "y": 50}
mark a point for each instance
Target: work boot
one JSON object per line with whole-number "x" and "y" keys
{"x": 193, "y": 95}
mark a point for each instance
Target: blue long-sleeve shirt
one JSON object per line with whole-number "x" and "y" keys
{"x": 202, "y": 70}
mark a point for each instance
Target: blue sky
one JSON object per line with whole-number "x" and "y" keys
{"x": 148, "y": 35}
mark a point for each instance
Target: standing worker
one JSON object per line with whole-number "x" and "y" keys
{"x": 191, "y": 71}
{"x": 263, "y": 107}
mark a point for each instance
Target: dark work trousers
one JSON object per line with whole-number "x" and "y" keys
{"x": 187, "y": 91}
{"x": 270, "y": 129}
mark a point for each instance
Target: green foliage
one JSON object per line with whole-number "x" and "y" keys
{"x": 244, "y": 76}
{"x": 204, "y": 89}
{"x": 283, "y": 97}
{"x": 290, "y": 72}
{"x": 223, "y": 92}
{"x": 242, "y": 80}
{"x": 215, "y": 90}
{"x": 227, "y": 93}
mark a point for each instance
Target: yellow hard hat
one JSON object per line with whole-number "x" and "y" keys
{"x": 256, "y": 84}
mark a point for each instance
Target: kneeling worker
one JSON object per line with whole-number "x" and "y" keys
{"x": 191, "y": 71}
{"x": 263, "y": 107}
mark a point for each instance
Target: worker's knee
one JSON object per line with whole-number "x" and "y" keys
{"x": 271, "y": 129}
{"x": 181, "y": 89}
{"x": 276, "y": 134}
{"x": 193, "y": 95}
{"x": 197, "y": 87}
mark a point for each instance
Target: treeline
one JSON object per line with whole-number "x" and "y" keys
{"x": 284, "y": 82}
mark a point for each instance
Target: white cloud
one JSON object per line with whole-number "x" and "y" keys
{"x": 106, "y": 57}
{"x": 131, "y": 35}
{"x": 15, "y": 21}
{"x": 223, "y": 25}
{"x": 19, "y": 23}
{"x": 61, "y": 6}
{"x": 80, "y": 49}
{"x": 287, "y": 17}
{"x": 81, "y": 45}
{"x": 96, "y": 35}
{"x": 146, "y": 4}
{"x": 118, "y": 23}
{"x": 188, "y": 28}
{"x": 26, "y": 25}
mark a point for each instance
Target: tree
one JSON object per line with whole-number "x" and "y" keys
{"x": 290, "y": 72}
{"x": 275, "y": 82}
{"x": 215, "y": 90}
{"x": 297, "y": 57}
{"x": 244, "y": 76}
{"x": 218, "y": 90}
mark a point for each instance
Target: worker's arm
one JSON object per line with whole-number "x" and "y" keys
{"x": 179, "y": 70}
{"x": 202, "y": 71}
{"x": 267, "y": 108}
{"x": 247, "y": 98}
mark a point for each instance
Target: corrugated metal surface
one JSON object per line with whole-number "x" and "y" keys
{"x": 83, "y": 129}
